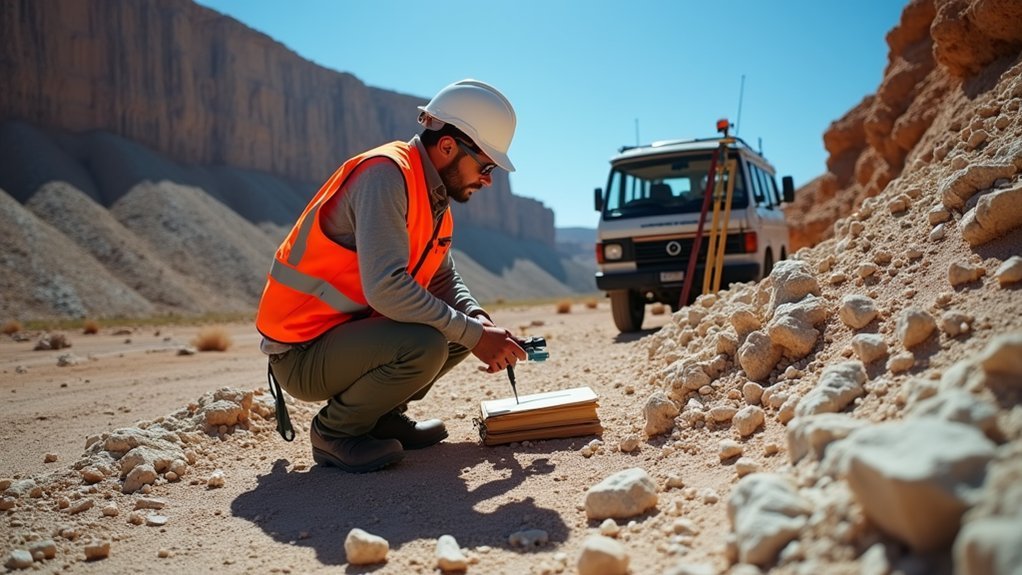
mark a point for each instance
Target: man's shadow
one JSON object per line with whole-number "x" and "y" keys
{"x": 422, "y": 497}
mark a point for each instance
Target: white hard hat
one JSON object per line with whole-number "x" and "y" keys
{"x": 480, "y": 111}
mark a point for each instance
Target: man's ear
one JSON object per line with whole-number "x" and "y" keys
{"x": 447, "y": 146}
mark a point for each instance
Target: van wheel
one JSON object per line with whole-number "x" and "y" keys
{"x": 768, "y": 263}
{"x": 628, "y": 309}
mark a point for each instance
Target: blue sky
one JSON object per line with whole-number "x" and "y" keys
{"x": 582, "y": 73}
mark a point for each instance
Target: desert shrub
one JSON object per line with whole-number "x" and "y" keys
{"x": 90, "y": 327}
{"x": 212, "y": 339}
{"x": 564, "y": 306}
{"x": 11, "y": 327}
{"x": 591, "y": 303}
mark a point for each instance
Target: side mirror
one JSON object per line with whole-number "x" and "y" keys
{"x": 788, "y": 187}
{"x": 598, "y": 199}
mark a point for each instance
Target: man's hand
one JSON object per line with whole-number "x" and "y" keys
{"x": 498, "y": 349}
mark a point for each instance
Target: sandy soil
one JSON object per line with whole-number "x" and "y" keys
{"x": 279, "y": 512}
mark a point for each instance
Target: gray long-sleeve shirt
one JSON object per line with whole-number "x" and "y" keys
{"x": 368, "y": 216}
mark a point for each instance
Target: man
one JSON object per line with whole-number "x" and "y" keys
{"x": 363, "y": 307}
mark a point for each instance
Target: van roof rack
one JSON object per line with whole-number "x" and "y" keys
{"x": 662, "y": 143}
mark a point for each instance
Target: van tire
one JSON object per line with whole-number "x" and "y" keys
{"x": 628, "y": 309}
{"x": 768, "y": 263}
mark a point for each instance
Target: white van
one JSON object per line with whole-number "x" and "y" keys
{"x": 650, "y": 212}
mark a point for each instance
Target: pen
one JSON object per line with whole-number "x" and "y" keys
{"x": 511, "y": 378}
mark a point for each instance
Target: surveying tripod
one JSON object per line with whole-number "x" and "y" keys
{"x": 721, "y": 180}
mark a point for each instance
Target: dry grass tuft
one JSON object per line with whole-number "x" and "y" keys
{"x": 591, "y": 303}
{"x": 212, "y": 339}
{"x": 90, "y": 327}
{"x": 658, "y": 309}
{"x": 564, "y": 306}
{"x": 11, "y": 327}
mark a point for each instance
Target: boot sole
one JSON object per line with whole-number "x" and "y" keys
{"x": 425, "y": 443}
{"x": 326, "y": 459}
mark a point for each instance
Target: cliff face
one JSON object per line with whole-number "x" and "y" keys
{"x": 206, "y": 90}
{"x": 937, "y": 46}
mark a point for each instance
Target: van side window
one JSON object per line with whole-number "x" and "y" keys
{"x": 754, "y": 183}
{"x": 772, "y": 186}
{"x": 769, "y": 193}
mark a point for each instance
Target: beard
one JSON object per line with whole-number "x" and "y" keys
{"x": 456, "y": 187}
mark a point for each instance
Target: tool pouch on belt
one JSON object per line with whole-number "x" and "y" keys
{"x": 283, "y": 419}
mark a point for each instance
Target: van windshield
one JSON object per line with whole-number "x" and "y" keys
{"x": 662, "y": 186}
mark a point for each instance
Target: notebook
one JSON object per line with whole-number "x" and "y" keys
{"x": 549, "y": 415}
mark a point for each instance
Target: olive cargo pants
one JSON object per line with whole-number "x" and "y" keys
{"x": 364, "y": 369}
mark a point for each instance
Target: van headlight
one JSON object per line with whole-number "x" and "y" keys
{"x": 612, "y": 251}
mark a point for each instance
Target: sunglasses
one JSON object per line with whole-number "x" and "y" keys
{"x": 485, "y": 168}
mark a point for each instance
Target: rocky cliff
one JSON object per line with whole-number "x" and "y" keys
{"x": 936, "y": 47}
{"x": 205, "y": 90}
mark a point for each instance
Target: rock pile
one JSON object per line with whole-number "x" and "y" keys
{"x": 119, "y": 468}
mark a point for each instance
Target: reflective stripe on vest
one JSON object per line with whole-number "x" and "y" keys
{"x": 314, "y": 283}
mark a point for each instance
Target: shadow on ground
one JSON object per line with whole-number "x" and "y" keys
{"x": 423, "y": 497}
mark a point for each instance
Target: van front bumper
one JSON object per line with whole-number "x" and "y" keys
{"x": 659, "y": 279}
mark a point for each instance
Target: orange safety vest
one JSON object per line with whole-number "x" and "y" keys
{"x": 314, "y": 283}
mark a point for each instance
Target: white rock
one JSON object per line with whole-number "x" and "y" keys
{"x": 744, "y": 321}
{"x": 722, "y": 413}
{"x": 954, "y": 323}
{"x": 810, "y": 435}
{"x": 745, "y": 465}
{"x": 914, "y": 478}
{"x": 989, "y": 546}
{"x": 857, "y": 310}
{"x": 915, "y": 325}
{"x": 609, "y": 528}
{"x": 938, "y": 214}
{"x": 839, "y": 385}
{"x": 962, "y": 273}
{"x": 659, "y": 413}
{"x": 959, "y": 406}
{"x": 869, "y": 347}
{"x": 729, "y": 448}
{"x": 215, "y": 479}
{"x": 629, "y": 444}
{"x": 449, "y": 556}
{"x": 901, "y": 362}
{"x": 792, "y": 326}
{"x": 1010, "y": 271}
{"x": 602, "y": 556}
{"x": 528, "y": 538}
{"x": 938, "y": 232}
{"x": 362, "y": 548}
{"x": 995, "y": 215}
{"x": 97, "y": 550}
{"x": 758, "y": 356}
{"x": 748, "y": 420}
{"x": 792, "y": 280}
{"x": 766, "y": 512}
{"x": 45, "y": 549}
{"x": 627, "y": 493}
{"x": 1003, "y": 356}
{"x": 19, "y": 559}
{"x": 139, "y": 476}
{"x": 752, "y": 392}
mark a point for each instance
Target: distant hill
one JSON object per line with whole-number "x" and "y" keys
{"x": 176, "y": 174}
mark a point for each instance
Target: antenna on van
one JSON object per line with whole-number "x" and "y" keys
{"x": 741, "y": 92}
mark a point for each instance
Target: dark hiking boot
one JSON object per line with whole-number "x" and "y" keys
{"x": 411, "y": 434}
{"x": 358, "y": 454}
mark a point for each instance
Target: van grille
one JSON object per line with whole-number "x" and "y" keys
{"x": 654, "y": 254}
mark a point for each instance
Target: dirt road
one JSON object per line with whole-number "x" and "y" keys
{"x": 278, "y": 512}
